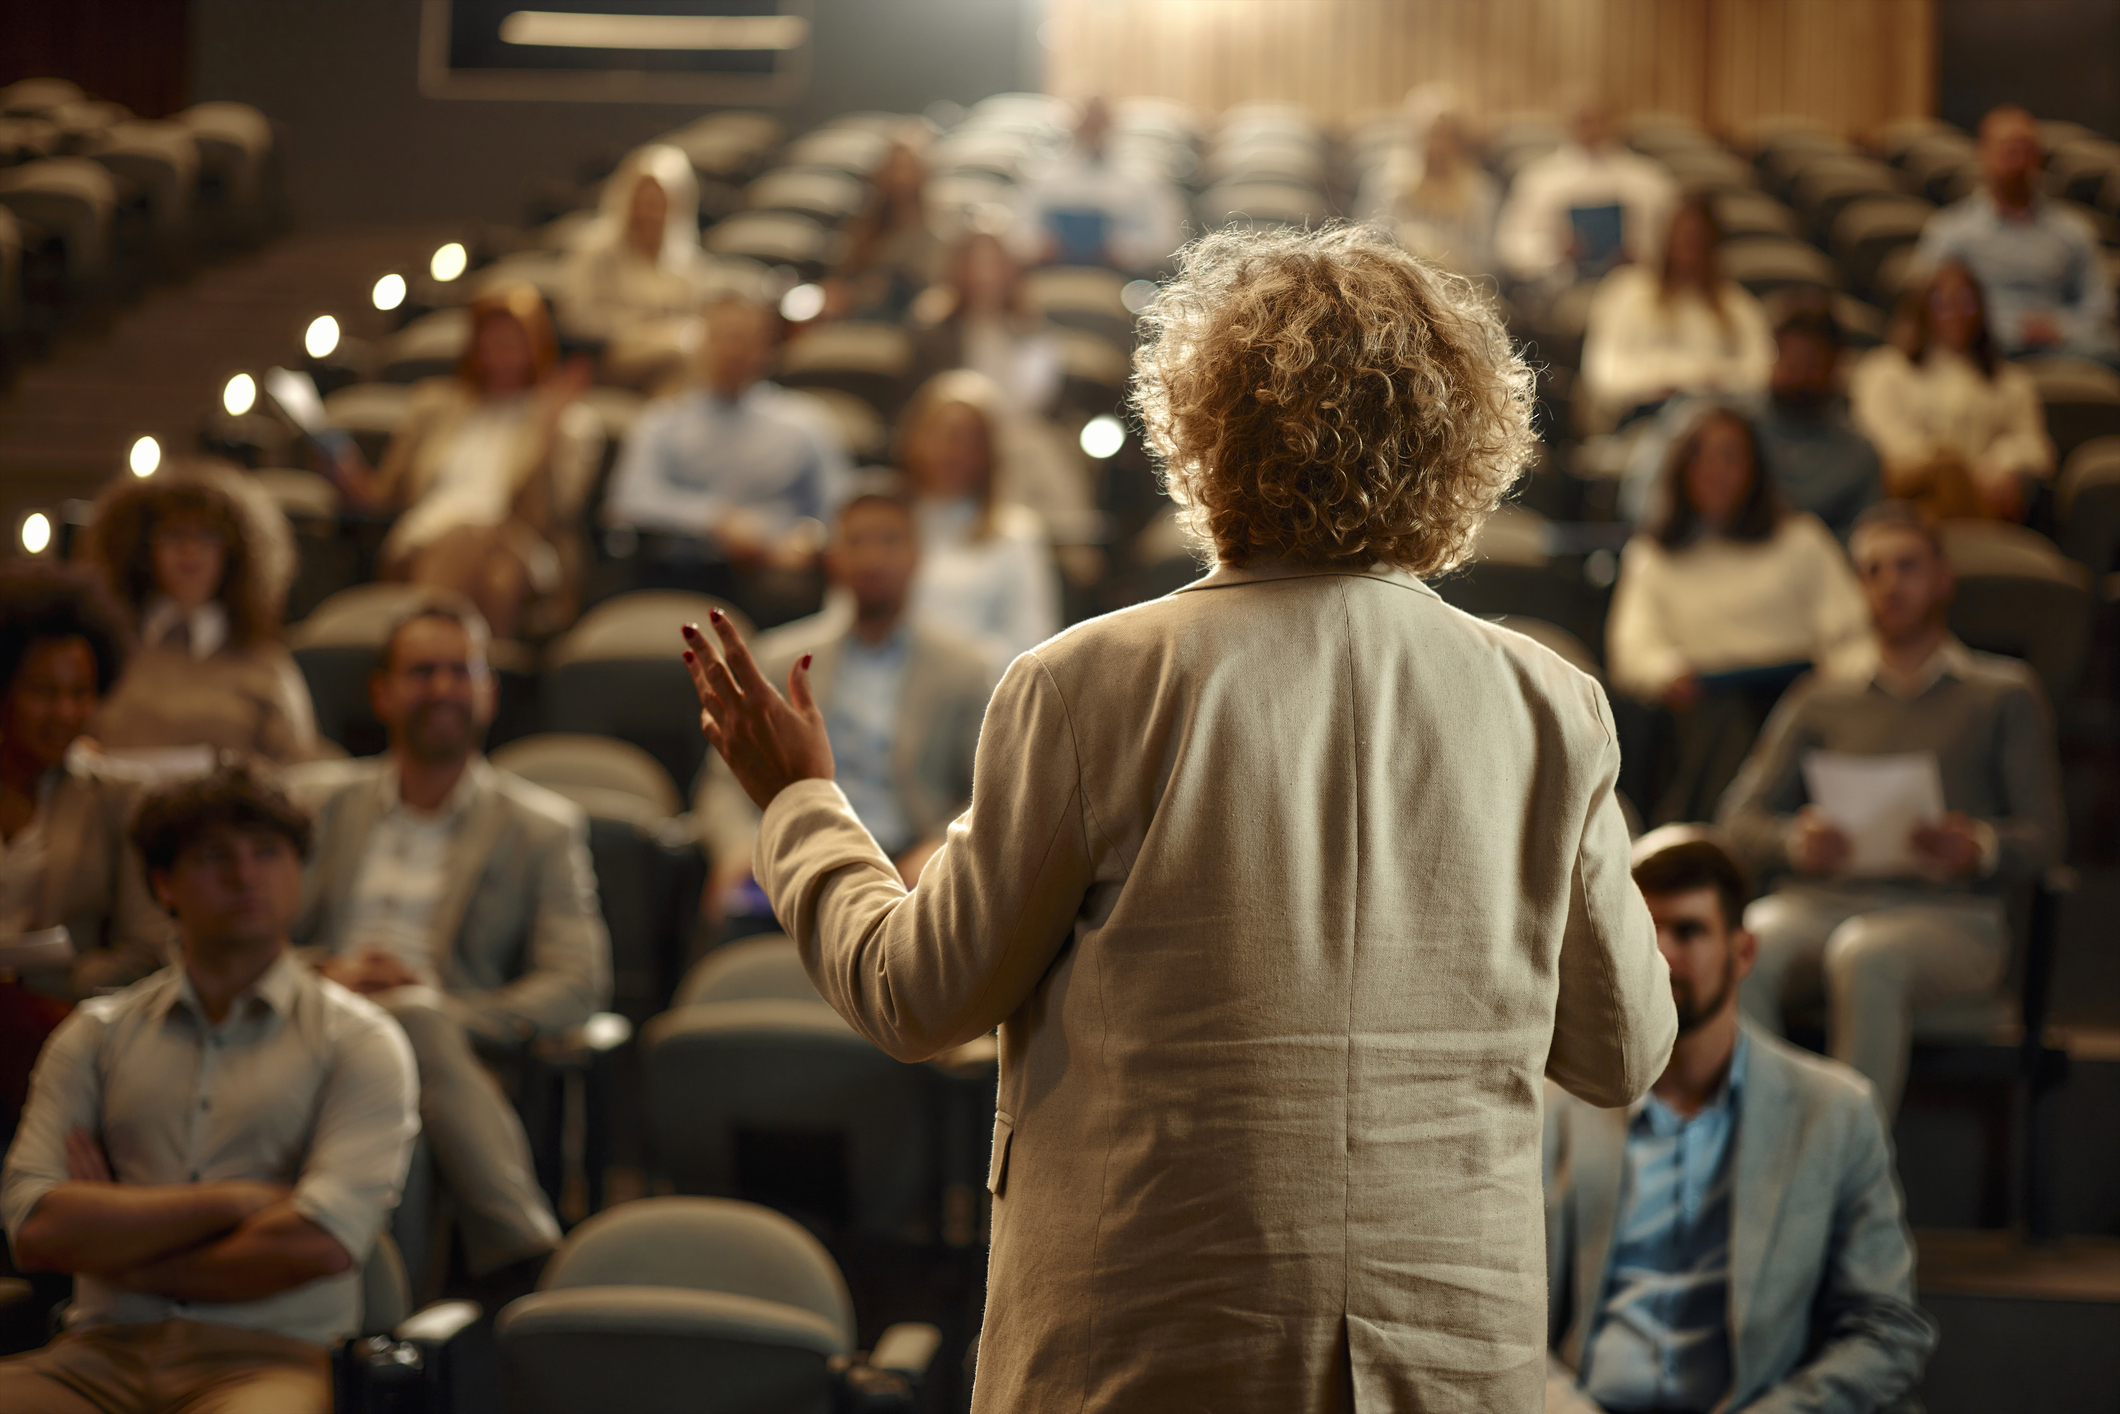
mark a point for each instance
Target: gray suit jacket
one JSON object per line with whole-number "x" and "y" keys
{"x": 519, "y": 941}
{"x": 947, "y": 683}
{"x": 1822, "y": 1313}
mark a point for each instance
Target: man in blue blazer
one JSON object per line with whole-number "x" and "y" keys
{"x": 1734, "y": 1239}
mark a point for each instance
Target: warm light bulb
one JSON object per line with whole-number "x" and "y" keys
{"x": 1103, "y": 436}
{"x": 389, "y": 291}
{"x": 449, "y": 261}
{"x": 36, "y": 533}
{"x": 804, "y": 302}
{"x": 145, "y": 456}
{"x": 321, "y": 337}
{"x": 239, "y": 394}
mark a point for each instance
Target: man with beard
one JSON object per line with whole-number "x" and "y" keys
{"x": 461, "y": 899}
{"x": 1733, "y": 1240}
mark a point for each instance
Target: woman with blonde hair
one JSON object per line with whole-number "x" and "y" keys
{"x": 1960, "y": 432}
{"x": 986, "y": 567}
{"x": 1287, "y": 891}
{"x": 489, "y": 471}
{"x": 1680, "y": 328}
{"x": 636, "y": 281}
{"x": 200, "y": 560}
{"x": 1441, "y": 207}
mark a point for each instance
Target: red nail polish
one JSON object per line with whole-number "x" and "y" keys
{"x": 806, "y": 662}
{"x": 714, "y": 614}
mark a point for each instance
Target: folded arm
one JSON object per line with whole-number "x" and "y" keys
{"x": 273, "y": 1250}
{"x": 103, "y": 1228}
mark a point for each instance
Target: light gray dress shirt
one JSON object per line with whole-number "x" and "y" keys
{"x": 862, "y": 721}
{"x": 405, "y": 871}
{"x": 692, "y": 459}
{"x": 303, "y": 1083}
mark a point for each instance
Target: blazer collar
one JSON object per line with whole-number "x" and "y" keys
{"x": 1223, "y": 576}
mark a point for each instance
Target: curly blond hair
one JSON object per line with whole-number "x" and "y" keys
{"x": 255, "y": 534}
{"x": 1325, "y": 397}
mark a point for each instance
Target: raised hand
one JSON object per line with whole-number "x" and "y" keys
{"x": 769, "y": 741}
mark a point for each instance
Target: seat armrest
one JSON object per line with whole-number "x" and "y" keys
{"x": 888, "y": 1379}
{"x": 438, "y": 1324}
{"x": 417, "y": 1366}
{"x": 906, "y": 1348}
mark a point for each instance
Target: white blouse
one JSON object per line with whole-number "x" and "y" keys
{"x": 1942, "y": 406}
{"x": 1637, "y": 347}
{"x": 1002, "y": 593}
{"x": 1722, "y": 604}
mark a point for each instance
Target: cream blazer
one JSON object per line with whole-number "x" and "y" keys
{"x": 1285, "y": 891}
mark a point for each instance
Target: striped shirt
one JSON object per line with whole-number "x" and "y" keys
{"x": 1662, "y": 1337}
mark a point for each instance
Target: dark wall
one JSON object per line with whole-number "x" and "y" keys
{"x": 2059, "y": 58}
{"x": 341, "y": 76}
{"x": 126, "y": 51}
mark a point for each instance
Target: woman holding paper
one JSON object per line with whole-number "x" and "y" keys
{"x": 1285, "y": 890}
{"x": 1725, "y": 597}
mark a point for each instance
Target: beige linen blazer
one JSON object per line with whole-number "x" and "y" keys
{"x": 1285, "y": 891}
{"x": 95, "y": 885}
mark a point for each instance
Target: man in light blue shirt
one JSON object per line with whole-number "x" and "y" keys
{"x": 2039, "y": 265}
{"x": 1734, "y": 1239}
{"x": 736, "y": 471}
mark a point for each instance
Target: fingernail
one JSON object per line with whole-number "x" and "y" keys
{"x": 806, "y": 662}
{"x": 688, "y": 655}
{"x": 714, "y": 614}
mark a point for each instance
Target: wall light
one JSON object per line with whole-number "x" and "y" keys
{"x": 145, "y": 456}
{"x": 804, "y": 302}
{"x": 389, "y": 291}
{"x": 1103, "y": 436}
{"x": 36, "y": 533}
{"x": 321, "y": 337}
{"x": 449, "y": 262}
{"x": 239, "y": 394}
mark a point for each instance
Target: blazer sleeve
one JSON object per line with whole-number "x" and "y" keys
{"x": 289, "y": 732}
{"x": 1613, "y": 1022}
{"x": 568, "y": 972}
{"x": 920, "y": 972}
{"x": 1874, "y": 1340}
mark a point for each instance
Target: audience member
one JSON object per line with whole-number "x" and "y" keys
{"x": 64, "y": 858}
{"x": 1678, "y": 328}
{"x": 1733, "y": 1239}
{"x": 211, "y": 1152}
{"x": 981, "y": 318}
{"x": 1723, "y": 598}
{"x": 1090, "y": 207}
{"x": 459, "y": 898}
{"x": 1574, "y": 213}
{"x": 902, "y": 700}
{"x": 202, "y": 561}
{"x": 736, "y": 472}
{"x": 1809, "y": 443}
{"x": 2038, "y": 263}
{"x": 892, "y": 251}
{"x": 986, "y": 565}
{"x": 1960, "y": 432}
{"x": 490, "y": 467}
{"x": 1442, "y": 207}
{"x": 1878, "y": 924}
{"x": 635, "y": 282}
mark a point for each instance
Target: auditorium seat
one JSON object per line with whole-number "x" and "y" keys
{"x": 684, "y": 1305}
{"x": 162, "y": 159}
{"x": 1869, "y": 229}
{"x": 2087, "y": 503}
{"x": 325, "y": 561}
{"x": 766, "y": 967}
{"x": 781, "y": 1101}
{"x": 428, "y": 347}
{"x": 776, "y": 238}
{"x": 1764, "y": 264}
{"x": 401, "y": 1357}
{"x": 1083, "y": 297}
{"x": 2019, "y": 595}
{"x": 370, "y": 413}
{"x": 1093, "y": 371}
{"x": 857, "y": 151}
{"x": 1709, "y": 170}
{"x": 77, "y": 201}
{"x": 822, "y": 193}
{"x": 855, "y": 422}
{"x": 866, "y": 358}
{"x": 27, "y": 98}
{"x": 236, "y": 157}
{"x": 618, "y": 673}
{"x": 2081, "y": 398}
{"x": 337, "y": 647}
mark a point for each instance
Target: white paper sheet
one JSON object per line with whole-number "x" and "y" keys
{"x": 48, "y": 947}
{"x": 1877, "y": 801}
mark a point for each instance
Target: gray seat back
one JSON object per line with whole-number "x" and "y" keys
{"x": 765, "y": 968}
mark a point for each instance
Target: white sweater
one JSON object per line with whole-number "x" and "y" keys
{"x": 1636, "y": 348}
{"x": 1943, "y": 406}
{"x": 1002, "y": 593}
{"x": 1722, "y": 604}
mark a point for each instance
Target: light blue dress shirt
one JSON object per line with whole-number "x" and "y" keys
{"x": 862, "y": 722}
{"x": 693, "y": 458}
{"x": 1662, "y": 1337}
{"x": 2047, "y": 262}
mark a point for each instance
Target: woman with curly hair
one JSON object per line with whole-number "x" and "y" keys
{"x": 201, "y": 561}
{"x": 1286, "y": 891}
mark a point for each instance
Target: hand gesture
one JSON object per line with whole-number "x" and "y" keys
{"x": 1816, "y": 844}
{"x": 769, "y": 741}
{"x": 1950, "y": 847}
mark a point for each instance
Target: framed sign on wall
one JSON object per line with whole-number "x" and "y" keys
{"x": 617, "y": 51}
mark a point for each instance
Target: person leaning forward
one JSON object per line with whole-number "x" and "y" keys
{"x": 1284, "y": 890}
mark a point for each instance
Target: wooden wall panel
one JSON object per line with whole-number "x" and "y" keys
{"x": 1851, "y": 64}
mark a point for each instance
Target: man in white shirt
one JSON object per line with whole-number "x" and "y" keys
{"x": 461, "y": 899}
{"x": 735, "y": 472}
{"x": 1564, "y": 208}
{"x": 1090, "y": 207}
{"x": 902, "y": 702}
{"x": 212, "y": 1151}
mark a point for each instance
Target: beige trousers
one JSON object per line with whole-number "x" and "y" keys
{"x": 478, "y": 1142}
{"x": 169, "y": 1367}
{"x": 1874, "y": 953}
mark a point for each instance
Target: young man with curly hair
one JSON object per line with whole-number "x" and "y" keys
{"x": 1285, "y": 890}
